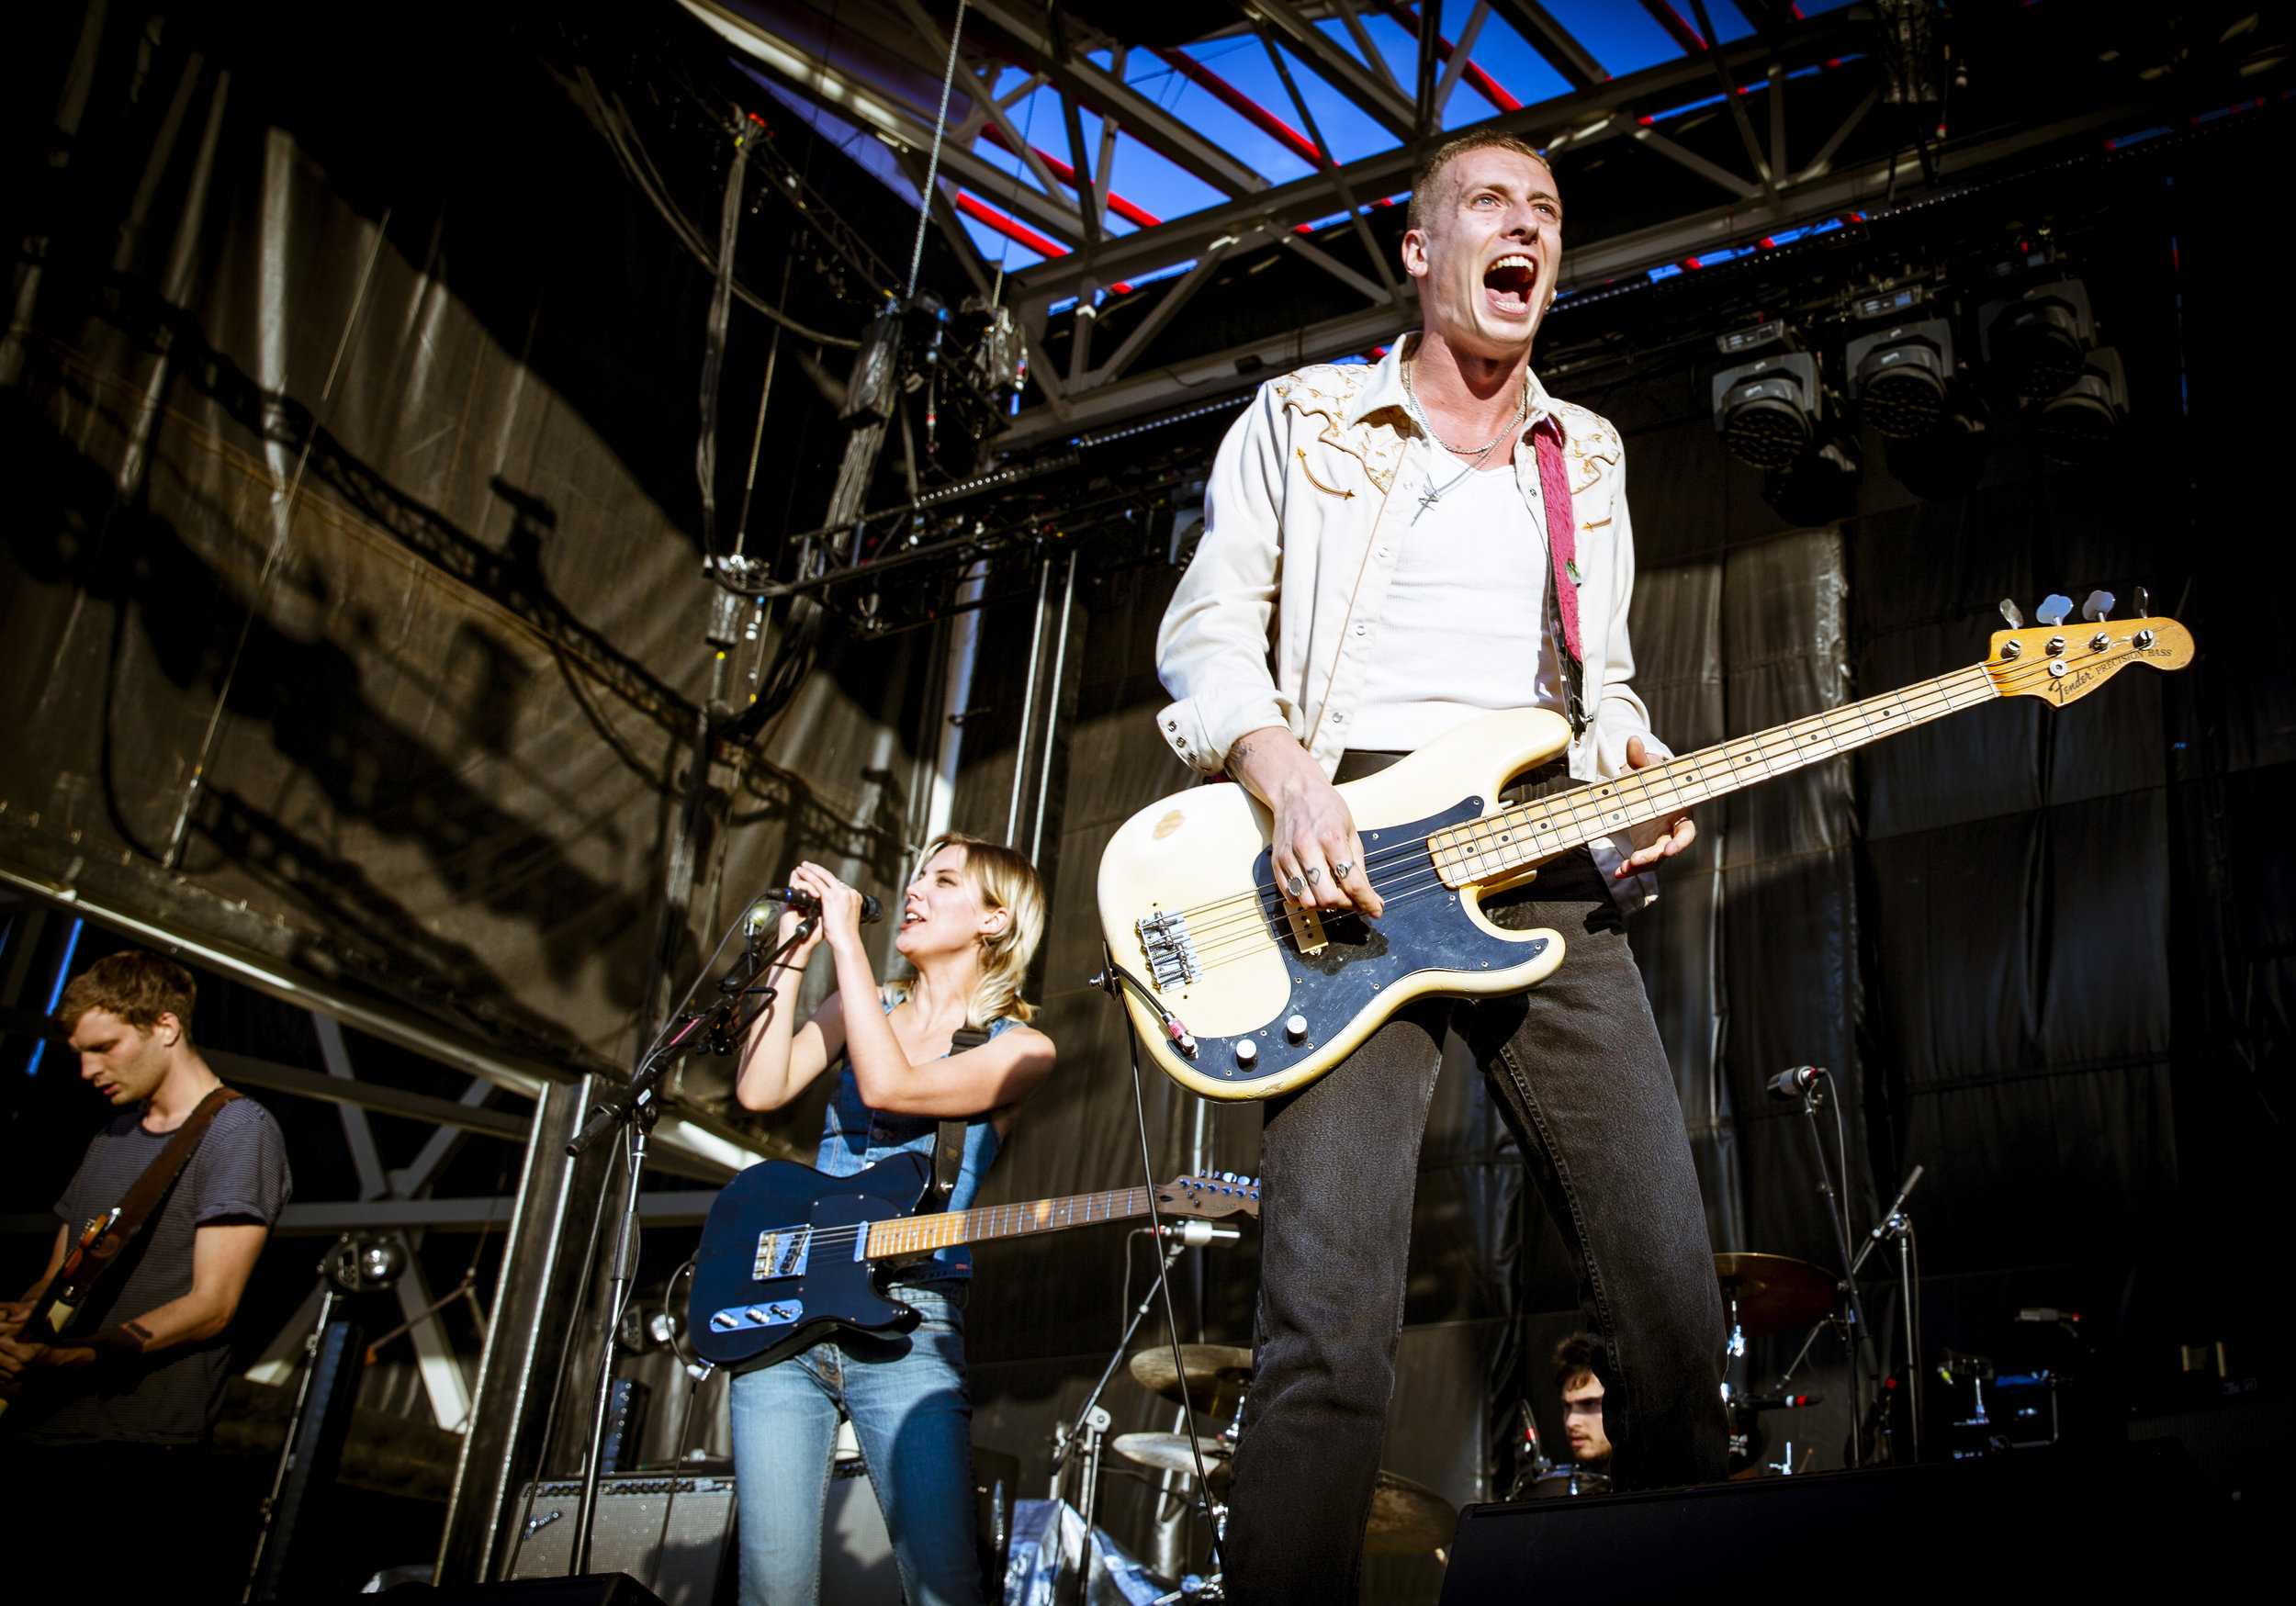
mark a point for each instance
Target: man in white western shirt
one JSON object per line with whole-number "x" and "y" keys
{"x": 1376, "y": 569}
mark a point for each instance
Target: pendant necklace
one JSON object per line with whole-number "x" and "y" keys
{"x": 1435, "y": 493}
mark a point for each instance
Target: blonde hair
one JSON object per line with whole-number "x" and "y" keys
{"x": 1430, "y": 171}
{"x": 1001, "y": 879}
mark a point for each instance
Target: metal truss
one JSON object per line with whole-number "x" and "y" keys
{"x": 1819, "y": 190}
{"x": 889, "y": 52}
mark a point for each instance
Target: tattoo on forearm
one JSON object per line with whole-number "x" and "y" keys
{"x": 129, "y": 1338}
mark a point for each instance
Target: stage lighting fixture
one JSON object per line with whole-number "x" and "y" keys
{"x": 1898, "y": 376}
{"x": 1819, "y": 487}
{"x": 2037, "y": 342}
{"x": 1768, "y": 410}
{"x": 2080, "y": 423}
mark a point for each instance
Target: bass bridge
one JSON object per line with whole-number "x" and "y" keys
{"x": 1169, "y": 950}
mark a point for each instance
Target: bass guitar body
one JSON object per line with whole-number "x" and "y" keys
{"x": 1272, "y": 997}
{"x": 782, "y": 1265}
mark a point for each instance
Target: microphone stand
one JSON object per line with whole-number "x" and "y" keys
{"x": 633, "y": 1109}
{"x": 1849, "y": 1278}
{"x": 1092, "y": 1424}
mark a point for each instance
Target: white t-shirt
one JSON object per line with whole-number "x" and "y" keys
{"x": 1464, "y": 629}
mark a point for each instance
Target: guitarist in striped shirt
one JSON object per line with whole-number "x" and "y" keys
{"x": 119, "y": 1406}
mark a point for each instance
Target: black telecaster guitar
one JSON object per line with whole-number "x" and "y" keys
{"x": 791, "y": 1256}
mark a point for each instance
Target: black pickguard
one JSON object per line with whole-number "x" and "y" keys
{"x": 838, "y": 1291}
{"x": 1424, "y": 929}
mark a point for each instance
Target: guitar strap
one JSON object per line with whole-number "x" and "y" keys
{"x": 80, "y": 1275}
{"x": 948, "y": 1141}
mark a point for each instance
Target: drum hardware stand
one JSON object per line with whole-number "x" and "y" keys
{"x": 1894, "y": 1223}
{"x": 633, "y": 1109}
{"x": 1113, "y": 979}
{"x": 1195, "y": 1586}
{"x": 1811, "y": 1096}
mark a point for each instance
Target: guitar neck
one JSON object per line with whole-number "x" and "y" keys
{"x": 912, "y": 1235}
{"x": 1515, "y": 839}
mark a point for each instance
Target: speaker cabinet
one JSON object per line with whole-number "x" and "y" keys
{"x": 672, "y": 1534}
{"x": 2051, "y": 1523}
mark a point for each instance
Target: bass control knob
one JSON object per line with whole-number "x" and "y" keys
{"x": 1296, "y": 1029}
{"x": 1246, "y": 1051}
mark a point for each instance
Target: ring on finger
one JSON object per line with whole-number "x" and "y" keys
{"x": 1339, "y": 871}
{"x": 1296, "y": 885}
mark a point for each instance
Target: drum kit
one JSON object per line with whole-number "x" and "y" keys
{"x": 1407, "y": 1518}
{"x": 1762, "y": 1294}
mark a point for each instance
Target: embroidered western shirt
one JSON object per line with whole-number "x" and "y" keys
{"x": 1309, "y": 506}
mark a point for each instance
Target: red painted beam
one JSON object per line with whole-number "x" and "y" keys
{"x": 1067, "y": 175}
{"x": 1242, "y": 104}
{"x": 1014, "y": 230}
{"x": 1686, "y": 38}
{"x": 1480, "y": 82}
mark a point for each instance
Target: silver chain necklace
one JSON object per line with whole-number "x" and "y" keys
{"x": 1435, "y": 493}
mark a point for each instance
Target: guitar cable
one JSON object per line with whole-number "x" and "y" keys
{"x": 1111, "y": 976}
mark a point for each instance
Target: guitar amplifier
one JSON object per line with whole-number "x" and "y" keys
{"x": 673, "y": 1532}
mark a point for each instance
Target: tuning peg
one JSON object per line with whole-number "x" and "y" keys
{"x": 2099, "y": 607}
{"x": 2054, "y": 610}
{"x": 2144, "y": 602}
{"x": 2013, "y": 614}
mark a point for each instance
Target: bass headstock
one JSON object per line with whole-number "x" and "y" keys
{"x": 2062, "y": 662}
{"x": 1222, "y": 1193}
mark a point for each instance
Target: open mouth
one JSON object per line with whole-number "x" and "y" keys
{"x": 1508, "y": 283}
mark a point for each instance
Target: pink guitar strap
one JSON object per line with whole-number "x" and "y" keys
{"x": 1562, "y": 547}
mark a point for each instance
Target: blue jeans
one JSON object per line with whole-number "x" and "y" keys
{"x": 909, "y": 1410}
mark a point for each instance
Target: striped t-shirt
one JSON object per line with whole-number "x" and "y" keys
{"x": 238, "y": 1172}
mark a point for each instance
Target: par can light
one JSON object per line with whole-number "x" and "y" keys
{"x": 1898, "y": 377}
{"x": 2080, "y": 423}
{"x": 1768, "y": 410}
{"x": 2038, "y": 343}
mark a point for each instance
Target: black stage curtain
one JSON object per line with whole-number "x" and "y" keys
{"x": 351, "y": 607}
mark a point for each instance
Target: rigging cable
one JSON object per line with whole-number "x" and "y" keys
{"x": 933, "y": 161}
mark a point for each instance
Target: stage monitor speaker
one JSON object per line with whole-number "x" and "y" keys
{"x": 672, "y": 1532}
{"x": 591, "y": 1590}
{"x": 2039, "y": 1524}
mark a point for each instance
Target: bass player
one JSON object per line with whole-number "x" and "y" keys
{"x": 1391, "y": 551}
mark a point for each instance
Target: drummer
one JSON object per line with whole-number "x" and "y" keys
{"x": 1581, "y": 1393}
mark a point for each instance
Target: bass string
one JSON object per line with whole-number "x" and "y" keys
{"x": 1229, "y": 945}
{"x": 1582, "y": 812}
{"x": 1575, "y": 809}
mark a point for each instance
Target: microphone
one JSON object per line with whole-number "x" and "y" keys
{"x": 1781, "y": 1402}
{"x": 1194, "y": 1234}
{"x": 760, "y": 914}
{"x": 1794, "y": 1084}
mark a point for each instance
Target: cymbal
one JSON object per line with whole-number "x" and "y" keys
{"x": 1407, "y": 1518}
{"x": 1775, "y": 1293}
{"x": 1216, "y": 1373}
{"x": 1170, "y": 1453}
